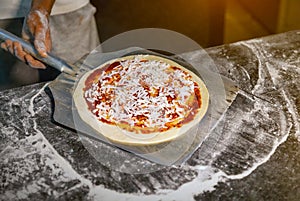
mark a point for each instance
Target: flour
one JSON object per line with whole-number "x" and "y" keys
{"x": 41, "y": 28}
{"x": 30, "y": 108}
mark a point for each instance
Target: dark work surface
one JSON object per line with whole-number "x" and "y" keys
{"x": 252, "y": 154}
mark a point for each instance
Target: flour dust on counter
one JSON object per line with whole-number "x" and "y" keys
{"x": 42, "y": 160}
{"x": 26, "y": 154}
{"x": 65, "y": 175}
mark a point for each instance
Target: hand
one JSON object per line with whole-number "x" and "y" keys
{"x": 35, "y": 30}
{"x": 16, "y": 49}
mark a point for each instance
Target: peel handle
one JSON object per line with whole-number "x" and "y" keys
{"x": 51, "y": 59}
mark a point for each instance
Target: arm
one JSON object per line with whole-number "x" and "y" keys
{"x": 35, "y": 30}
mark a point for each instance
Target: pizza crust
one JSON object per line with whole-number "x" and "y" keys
{"x": 117, "y": 135}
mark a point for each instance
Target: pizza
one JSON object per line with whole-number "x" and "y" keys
{"x": 141, "y": 99}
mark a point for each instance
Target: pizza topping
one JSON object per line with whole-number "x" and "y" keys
{"x": 143, "y": 93}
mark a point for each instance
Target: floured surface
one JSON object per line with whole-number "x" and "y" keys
{"x": 253, "y": 152}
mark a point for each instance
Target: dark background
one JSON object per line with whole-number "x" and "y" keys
{"x": 208, "y": 22}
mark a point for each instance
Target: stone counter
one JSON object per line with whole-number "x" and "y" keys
{"x": 252, "y": 154}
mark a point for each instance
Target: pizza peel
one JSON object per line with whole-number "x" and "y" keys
{"x": 62, "y": 92}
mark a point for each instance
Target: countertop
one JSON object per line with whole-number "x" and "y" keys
{"x": 252, "y": 154}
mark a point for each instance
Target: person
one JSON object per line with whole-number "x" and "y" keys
{"x": 67, "y": 28}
